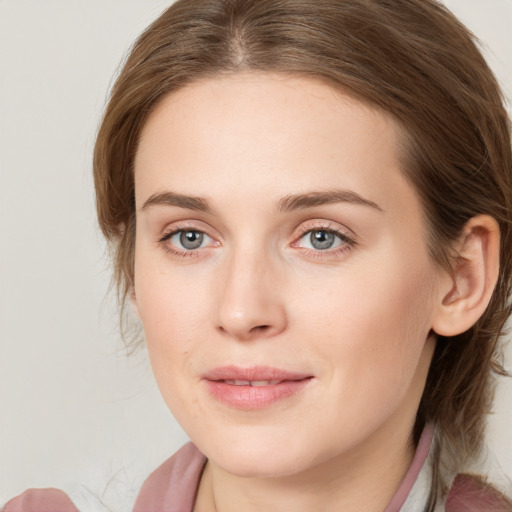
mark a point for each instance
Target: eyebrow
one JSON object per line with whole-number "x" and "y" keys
{"x": 286, "y": 204}
{"x": 312, "y": 199}
{"x": 173, "y": 199}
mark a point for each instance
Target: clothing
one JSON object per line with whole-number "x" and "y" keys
{"x": 173, "y": 486}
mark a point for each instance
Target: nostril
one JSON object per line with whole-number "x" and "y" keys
{"x": 260, "y": 328}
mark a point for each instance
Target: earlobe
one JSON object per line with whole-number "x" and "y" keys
{"x": 470, "y": 285}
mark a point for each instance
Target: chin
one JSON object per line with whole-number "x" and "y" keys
{"x": 252, "y": 466}
{"x": 253, "y": 455}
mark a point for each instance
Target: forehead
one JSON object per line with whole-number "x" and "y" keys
{"x": 268, "y": 133}
{"x": 253, "y": 106}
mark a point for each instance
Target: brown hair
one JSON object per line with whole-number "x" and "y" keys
{"x": 410, "y": 58}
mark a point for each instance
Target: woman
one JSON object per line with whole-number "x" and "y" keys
{"x": 310, "y": 209}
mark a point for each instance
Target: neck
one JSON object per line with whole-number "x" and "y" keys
{"x": 365, "y": 479}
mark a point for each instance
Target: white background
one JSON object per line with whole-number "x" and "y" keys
{"x": 73, "y": 407}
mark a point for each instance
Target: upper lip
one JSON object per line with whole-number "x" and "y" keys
{"x": 254, "y": 373}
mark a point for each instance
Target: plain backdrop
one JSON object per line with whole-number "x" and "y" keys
{"x": 73, "y": 406}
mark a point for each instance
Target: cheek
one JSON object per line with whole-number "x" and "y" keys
{"x": 172, "y": 312}
{"x": 169, "y": 301}
{"x": 171, "y": 332}
{"x": 373, "y": 326}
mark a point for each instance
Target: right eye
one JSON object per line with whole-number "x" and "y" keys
{"x": 188, "y": 239}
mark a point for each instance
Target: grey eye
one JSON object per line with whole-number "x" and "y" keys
{"x": 190, "y": 239}
{"x": 322, "y": 240}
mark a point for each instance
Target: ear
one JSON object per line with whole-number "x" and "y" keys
{"x": 466, "y": 291}
{"x": 133, "y": 302}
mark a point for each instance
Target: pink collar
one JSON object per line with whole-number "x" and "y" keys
{"x": 415, "y": 487}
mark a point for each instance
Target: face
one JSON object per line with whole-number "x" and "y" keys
{"x": 281, "y": 272}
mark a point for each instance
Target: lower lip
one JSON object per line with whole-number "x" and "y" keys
{"x": 254, "y": 397}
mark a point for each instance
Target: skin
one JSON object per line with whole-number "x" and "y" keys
{"x": 358, "y": 317}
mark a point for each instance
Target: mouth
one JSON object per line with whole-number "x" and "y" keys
{"x": 254, "y": 388}
{"x": 242, "y": 376}
{"x": 252, "y": 383}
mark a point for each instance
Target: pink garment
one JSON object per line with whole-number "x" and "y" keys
{"x": 41, "y": 500}
{"x": 173, "y": 486}
{"x": 468, "y": 494}
{"x": 417, "y": 463}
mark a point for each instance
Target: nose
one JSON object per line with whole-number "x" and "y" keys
{"x": 251, "y": 304}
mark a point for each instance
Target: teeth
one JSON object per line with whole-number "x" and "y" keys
{"x": 252, "y": 382}
{"x": 264, "y": 382}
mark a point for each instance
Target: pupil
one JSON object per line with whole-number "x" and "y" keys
{"x": 191, "y": 239}
{"x": 322, "y": 239}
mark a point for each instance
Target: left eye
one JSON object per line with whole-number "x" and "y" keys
{"x": 321, "y": 240}
{"x": 189, "y": 239}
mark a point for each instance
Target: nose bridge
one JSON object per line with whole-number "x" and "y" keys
{"x": 250, "y": 304}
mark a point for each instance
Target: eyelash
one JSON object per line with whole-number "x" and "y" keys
{"x": 347, "y": 242}
{"x": 182, "y": 253}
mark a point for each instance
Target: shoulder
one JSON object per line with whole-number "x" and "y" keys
{"x": 172, "y": 487}
{"x": 40, "y": 500}
{"x": 470, "y": 493}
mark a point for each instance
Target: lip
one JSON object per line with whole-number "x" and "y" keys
{"x": 271, "y": 385}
